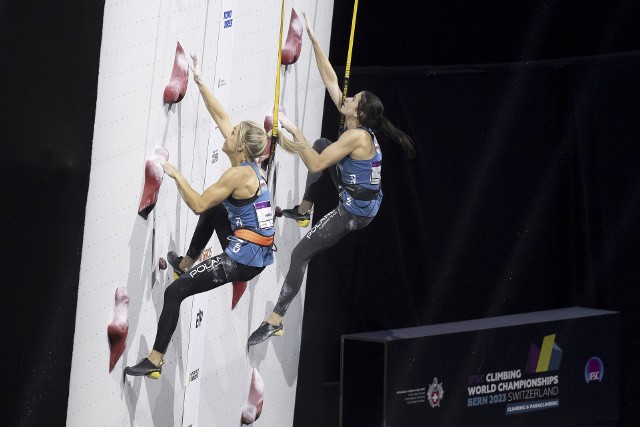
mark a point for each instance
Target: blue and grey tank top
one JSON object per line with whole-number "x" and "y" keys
{"x": 361, "y": 192}
{"x": 254, "y": 214}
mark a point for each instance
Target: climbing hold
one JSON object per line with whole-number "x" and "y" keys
{"x": 293, "y": 45}
{"x": 177, "y": 87}
{"x": 238, "y": 291}
{"x": 253, "y": 407}
{"x": 153, "y": 174}
{"x": 118, "y": 327}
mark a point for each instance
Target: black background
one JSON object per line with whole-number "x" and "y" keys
{"x": 524, "y": 194}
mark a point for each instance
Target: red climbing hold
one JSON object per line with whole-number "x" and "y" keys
{"x": 238, "y": 291}
{"x": 177, "y": 87}
{"x": 118, "y": 327}
{"x": 293, "y": 45}
{"x": 152, "y": 179}
{"x": 153, "y": 173}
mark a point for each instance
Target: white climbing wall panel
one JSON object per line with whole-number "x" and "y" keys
{"x": 121, "y": 249}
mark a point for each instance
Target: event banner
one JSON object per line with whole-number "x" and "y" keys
{"x": 548, "y": 368}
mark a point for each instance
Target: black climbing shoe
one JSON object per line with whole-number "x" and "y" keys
{"x": 145, "y": 368}
{"x": 174, "y": 261}
{"x": 264, "y": 331}
{"x": 302, "y": 219}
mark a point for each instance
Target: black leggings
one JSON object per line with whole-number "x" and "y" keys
{"x": 215, "y": 219}
{"x": 207, "y": 275}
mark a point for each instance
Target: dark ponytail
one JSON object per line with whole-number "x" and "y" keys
{"x": 397, "y": 135}
{"x": 370, "y": 114}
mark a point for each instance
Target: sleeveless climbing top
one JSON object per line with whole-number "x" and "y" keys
{"x": 255, "y": 215}
{"x": 361, "y": 192}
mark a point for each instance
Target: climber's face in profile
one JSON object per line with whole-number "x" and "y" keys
{"x": 350, "y": 105}
{"x": 231, "y": 142}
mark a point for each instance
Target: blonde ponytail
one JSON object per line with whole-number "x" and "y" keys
{"x": 289, "y": 145}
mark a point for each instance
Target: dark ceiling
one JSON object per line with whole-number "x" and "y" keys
{"x": 448, "y": 32}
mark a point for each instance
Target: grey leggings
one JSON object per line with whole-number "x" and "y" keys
{"x": 326, "y": 233}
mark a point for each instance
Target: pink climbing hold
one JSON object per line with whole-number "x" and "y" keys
{"x": 153, "y": 174}
{"x": 293, "y": 45}
{"x": 118, "y": 327}
{"x": 253, "y": 407}
{"x": 268, "y": 123}
{"x": 268, "y": 119}
{"x": 268, "y": 127}
{"x": 161, "y": 152}
{"x": 177, "y": 87}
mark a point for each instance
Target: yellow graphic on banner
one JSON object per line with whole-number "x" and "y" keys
{"x": 545, "y": 353}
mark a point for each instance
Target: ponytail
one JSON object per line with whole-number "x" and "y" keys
{"x": 288, "y": 145}
{"x": 370, "y": 114}
{"x": 397, "y": 135}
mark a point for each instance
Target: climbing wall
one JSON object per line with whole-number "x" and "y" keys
{"x": 236, "y": 41}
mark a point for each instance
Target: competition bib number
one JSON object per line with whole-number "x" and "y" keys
{"x": 376, "y": 173}
{"x": 265, "y": 215}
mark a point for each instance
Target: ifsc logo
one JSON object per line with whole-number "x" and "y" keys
{"x": 594, "y": 370}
